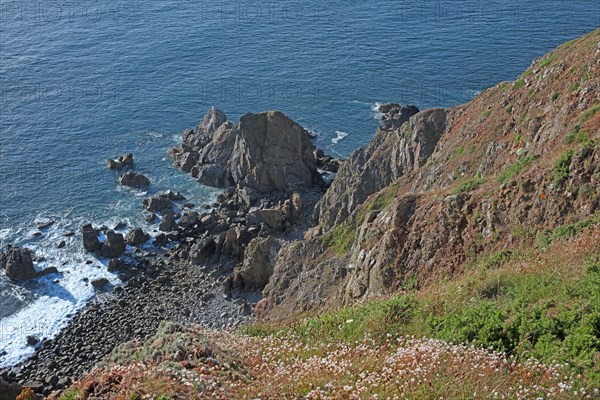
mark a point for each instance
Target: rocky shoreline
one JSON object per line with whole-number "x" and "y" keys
{"x": 206, "y": 267}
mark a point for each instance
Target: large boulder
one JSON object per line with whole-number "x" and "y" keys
{"x": 158, "y": 204}
{"x": 114, "y": 245}
{"x": 134, "y": 179}
{"x": 167, "y": 223}
{"x": 395, "y": 115}
{"x": 18, "y": 264}
{"x": 137, "y": 236}
{"x": 266, "y": 152}
{"x": 90, "y": 239}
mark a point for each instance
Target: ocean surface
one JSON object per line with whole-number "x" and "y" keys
{"x": 84, "y": 81}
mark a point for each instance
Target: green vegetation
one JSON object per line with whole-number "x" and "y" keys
{"x": 590, "y": 112}
{"x": 580, "y": 136}
{"x": 549, "y": 236}
{"x": 555, "y": 96}
{"x": 469, "y": 185}
{"x": 69, "y": 394}
{"x": 487, "y": 113}
{"x": 519, "y": 84}
{"x": 518, "y": 139}
{"x": 509, "y": 109}
{"x": 540, "y": 313}
{"x": 548, "y": 60}
{"x": 341, "y": 238}
{"x": 459, "y": 151}
{"x": 561, "y": 168}
{"x": 574, "y": 86}
{"x": 532, "y": 92}
{"x": 515, "y": 169}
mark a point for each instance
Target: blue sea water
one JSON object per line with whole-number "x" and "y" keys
{"x": 84, "y": 81}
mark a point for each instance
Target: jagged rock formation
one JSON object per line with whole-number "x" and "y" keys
{"x": 391, "y": 153}
{"x": 421, "y": 200}
{"x": 265, "y": 152}
{"x": 18, "y": 264}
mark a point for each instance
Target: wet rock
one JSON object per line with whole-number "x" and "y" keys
{"x": 18, "y": 264}
{"x": 32, "y": 340}
{"x": 44, "y": 224}
{"x": 48, "y": 271}
{"x": 90, "y": 239}
{"x": 116, "y": 265}
{"x": 174, "y": 196}
{"x": 158, "y": 204}
{"x": 100, "y": 283}
{"x": 168, "y": 224}
{"x": 135, "y": 180}
{"x": 136, "y": 237}
{"x": 114, "y": 245}
{"x": 120, "y": 162}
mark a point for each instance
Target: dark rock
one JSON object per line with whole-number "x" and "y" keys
{"x": 100, "y": 283}
{"x": 120, "y": 162}
{"x": 18, "y": 264}
{"x": 48, "y": 271}
{"x": 44, "y": 224}
{"x": 114, "y": 245}
{"x": 61, "y": 244}
{"x": 90, "y": 239}
{"x": 136, "y": 237}
{"x": 116, "y": 265}
{"x": 69, "y": 234}
{"x": 120, "y": 225}
{"x": 151, "y": 217}
{"x": 158, "y": 204}
{"x": 394, "y": 115}
{"x": 169, "y": 194}
{"x": 32, "y": 340}
{"x": 134, "y": 179}
{"x": 168, "y": 224}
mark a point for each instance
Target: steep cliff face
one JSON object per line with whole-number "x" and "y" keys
{"x": 401, "y": 145}
{"x": 422, "y": 200}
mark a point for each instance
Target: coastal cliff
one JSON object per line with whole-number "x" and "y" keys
{"x": 460, "y": 245}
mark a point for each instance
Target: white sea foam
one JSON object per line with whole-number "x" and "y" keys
{"x": 339, "y": 136}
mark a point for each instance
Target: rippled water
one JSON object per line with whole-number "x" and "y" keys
{"x": 84, "y": 81}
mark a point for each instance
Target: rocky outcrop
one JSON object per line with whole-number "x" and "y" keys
{"x": 114, "y": 245}
{"x": 90, "y": 239}
{"x": 394, "y": 115}
{"x": 120, "y": 162}
{"x": 390, "y": 154}
{"x": 137, "y": 236}
{"x": 265, "y": 152}
{"x": 18, "y": 264}
{"x": 511, "y": 168}
{"x": 258, "y": 265}
{"x": 134, "y": 180}
{"x": 158, "y": 204}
